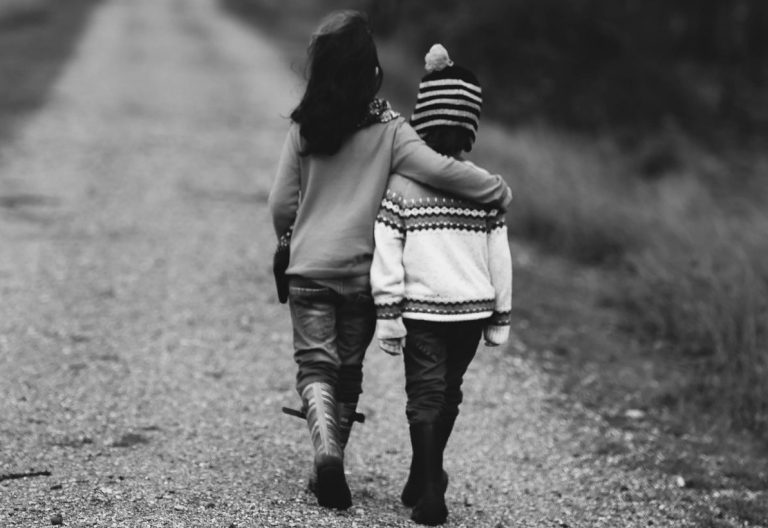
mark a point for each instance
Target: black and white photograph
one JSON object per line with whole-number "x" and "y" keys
{"x": 384, "y": 263}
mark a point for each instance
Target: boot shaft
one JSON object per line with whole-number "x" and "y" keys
{"x": 445, "y": 427}
{"x": 427, "y": 442}
{"x": 320, "y": 404}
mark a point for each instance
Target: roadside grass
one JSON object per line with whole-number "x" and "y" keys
{"x": 36, "y": 38}
{"x": 692, "y": 275}
{"x": 707, "y": 300}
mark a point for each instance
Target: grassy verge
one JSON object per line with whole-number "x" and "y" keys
{"x": 690, "y": 265}
{"x": 565, "y": 324}
{"x": 36, "y": 38}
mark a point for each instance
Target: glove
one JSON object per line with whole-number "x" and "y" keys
{"x": 391, "y": 334}
{"x": 393, "y": 347}
{"x": 279, "y": 265}
{"x": 496, "y": 334}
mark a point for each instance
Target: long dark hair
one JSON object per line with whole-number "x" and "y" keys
{"x": 344, "y": 76}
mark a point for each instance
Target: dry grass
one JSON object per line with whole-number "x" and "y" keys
{"x": 708, "y": 297}
{"x": 693, "y": 255}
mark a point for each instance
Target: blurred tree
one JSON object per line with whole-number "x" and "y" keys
{"x": 384, "y": 15}
{"x": 594, "y": 63}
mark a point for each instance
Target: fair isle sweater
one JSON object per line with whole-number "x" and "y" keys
{"x": 439, "y": 258}
{"x": 331, "y": 202}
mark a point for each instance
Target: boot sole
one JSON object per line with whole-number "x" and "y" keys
{"x": 331, "y": 486}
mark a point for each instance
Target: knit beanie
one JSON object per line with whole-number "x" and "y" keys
{"x": 448, "y": 95}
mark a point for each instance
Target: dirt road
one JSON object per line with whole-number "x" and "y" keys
{"x": 143, "y": 355}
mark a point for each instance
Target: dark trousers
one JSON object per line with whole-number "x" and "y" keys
{"x": 436, "y": 355}
{"x": 333, "y": 324}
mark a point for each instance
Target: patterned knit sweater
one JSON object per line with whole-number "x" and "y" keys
{"x": 439, "y": 258}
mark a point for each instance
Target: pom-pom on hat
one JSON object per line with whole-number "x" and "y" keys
{"x": 448, "y": 95}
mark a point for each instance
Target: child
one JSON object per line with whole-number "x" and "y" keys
{"x": 441, "y": 277}
{"x": 341, "y": 147}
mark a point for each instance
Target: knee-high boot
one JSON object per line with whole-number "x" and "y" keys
{"x": 415, "y": 484}
{"x": 331, "y": 486}
{"x": 347, "y": 414}
{"x": 430, "y": 509}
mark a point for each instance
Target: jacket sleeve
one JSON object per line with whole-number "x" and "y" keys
{"x": 412, "y": 158}
{"x": 500, "y": 262}
{"x": 387, "y": 271}
{"x": 285, "y": 193}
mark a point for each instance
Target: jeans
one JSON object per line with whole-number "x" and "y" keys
{"x": 436, "y": 356}
{"x": 333, "y": 324}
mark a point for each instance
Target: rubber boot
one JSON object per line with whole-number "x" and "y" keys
{"x": 414, "y": 485}
{"x": 347, "y": 413}
{"x": 330, "y": 486}
{"x": 430, "y": 508}
{"x": 445, "y": 427}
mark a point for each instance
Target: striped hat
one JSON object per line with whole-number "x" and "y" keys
{"x": 448, "y": 95}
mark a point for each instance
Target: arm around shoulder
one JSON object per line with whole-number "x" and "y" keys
{"x": 412, "y": 158}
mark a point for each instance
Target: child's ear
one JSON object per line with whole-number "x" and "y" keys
{"x": 469, "y": 145}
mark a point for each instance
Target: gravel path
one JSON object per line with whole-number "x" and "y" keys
{"x": 144, "y": 358}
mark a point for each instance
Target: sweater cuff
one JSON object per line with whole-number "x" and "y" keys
{"x": 391, "y": 310}
{"x": 390, "y": 328}
{"x": 500, "y": 318}
{"x": 496, "y": 335}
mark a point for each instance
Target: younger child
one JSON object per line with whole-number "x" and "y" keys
{"x": 441, "y": 277}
